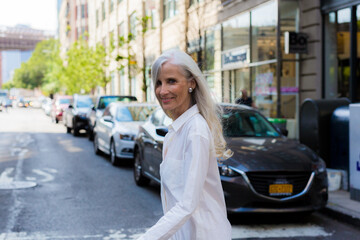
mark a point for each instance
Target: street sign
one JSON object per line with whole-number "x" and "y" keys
{"x": 295, "y": 42}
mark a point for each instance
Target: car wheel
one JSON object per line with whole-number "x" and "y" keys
{"x": 113, "y": 157}
{"x": 90, "y": 134}
{"x": 75, "y": 129}
{"x": 96, "y": 145}
{"x": 139, "y": 178}
{"x": 68, "y": 130}
{"x": 56, "y": 120}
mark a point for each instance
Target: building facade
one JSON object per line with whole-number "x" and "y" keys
{"x": 238, "y": 45}
{"x": 73, "y": 23}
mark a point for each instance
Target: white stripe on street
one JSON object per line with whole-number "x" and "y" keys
{"x": 238, "y": 232}
{"x": 278, "y": 231}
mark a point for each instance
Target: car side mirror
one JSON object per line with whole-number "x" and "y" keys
{"x": 93, "y": 108}
{"x": 162, "y": 131}
{"x": 108, "y": 119}
{"x": 283, "y": 131}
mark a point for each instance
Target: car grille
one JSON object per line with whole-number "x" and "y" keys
{"x": 261, "y": 181}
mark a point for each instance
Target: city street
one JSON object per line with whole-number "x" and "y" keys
{"x": 53, "y": 186}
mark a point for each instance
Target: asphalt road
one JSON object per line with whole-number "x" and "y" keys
{"x": 53, "y": 186}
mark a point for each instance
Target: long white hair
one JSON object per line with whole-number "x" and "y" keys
{"x": 200, "y": 96}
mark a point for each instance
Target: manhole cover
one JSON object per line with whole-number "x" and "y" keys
{"x": 17, "y": 185}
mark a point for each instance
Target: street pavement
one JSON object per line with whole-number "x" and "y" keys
{"x": 52, "y": 186}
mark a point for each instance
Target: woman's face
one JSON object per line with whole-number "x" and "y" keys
{"x": 172, "y": 90}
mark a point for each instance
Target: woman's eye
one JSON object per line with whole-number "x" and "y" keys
{"x": 172, "y": 80}
{"x": 158, "y": 83}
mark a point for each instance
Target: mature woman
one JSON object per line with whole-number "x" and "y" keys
{"x": 191, "y": 191}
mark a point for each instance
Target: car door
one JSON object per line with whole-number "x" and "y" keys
{"x": 101, "y": 129}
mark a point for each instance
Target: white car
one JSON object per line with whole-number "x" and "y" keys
{"x": 115, "y": 131}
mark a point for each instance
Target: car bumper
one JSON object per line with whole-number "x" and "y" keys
{"x": 125, "y": 149}
{"x": 81, "y": 122}
{"x": 241, "y": 197}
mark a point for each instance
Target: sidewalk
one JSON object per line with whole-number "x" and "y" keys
{"x": 341, "y": 207}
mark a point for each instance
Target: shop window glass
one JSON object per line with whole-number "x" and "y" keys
{"x": 289, "y": 21}
{"x": 236, "y": 31}
{"x": 263, "y": 32}
{"x": 213, "y": 48}
{"x": 330, "y": 58}
{"x": 170, "y": 9}
{"x": 343, "y": 51}
{"x": 358, "y": 55}
{"x": 264, "y": 91}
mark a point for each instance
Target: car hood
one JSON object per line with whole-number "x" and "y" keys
{"x": 82, "y": 110}
{"x": 128, "y": 127}
{"x": 269, "y": 154}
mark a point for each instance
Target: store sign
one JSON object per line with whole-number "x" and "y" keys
{"x": 295, "y": 42}
{"x": 236, "y": 57}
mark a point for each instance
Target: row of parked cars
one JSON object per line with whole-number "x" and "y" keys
{"x": 268, "y": 172}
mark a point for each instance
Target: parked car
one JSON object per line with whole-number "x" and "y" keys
{"x": 58, "y": 107}
{"x": 100, "y": 104}
{"x": 47, "y": 105}
{"x": 75, "y": 114}
{"x": 115, "y": 131}
{"x": 268, "y": 172}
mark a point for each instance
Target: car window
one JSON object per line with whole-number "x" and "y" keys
{"x": 240, "y": 123}
{"x": 106, "y": 100}
{"x": 84, "y": 102}
{"x": 64, "y": 101}
{"x": 137, "y": 113}
{"x": 157, "y": 117}
{"x": 123, "y": 115}
{"x": 107, "y": 112}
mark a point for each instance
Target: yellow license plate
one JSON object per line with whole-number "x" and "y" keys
{"x": 280, "y": 189}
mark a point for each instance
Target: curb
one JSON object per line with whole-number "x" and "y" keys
{"x": 333, "y": 211}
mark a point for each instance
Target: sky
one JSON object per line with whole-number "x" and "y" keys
{"x": 39, "y": 14}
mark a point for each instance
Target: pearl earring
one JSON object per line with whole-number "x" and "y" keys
{"x": 190, "y": 90}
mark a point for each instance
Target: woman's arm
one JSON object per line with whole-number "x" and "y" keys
{"x": 197, "y": 150}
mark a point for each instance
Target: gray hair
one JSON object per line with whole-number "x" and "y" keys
{"x": 200, "y": 96}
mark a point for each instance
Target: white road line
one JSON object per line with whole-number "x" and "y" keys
{"x": 278, "y": 231}
{"x": 47, "y": 177}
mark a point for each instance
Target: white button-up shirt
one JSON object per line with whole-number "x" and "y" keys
{"x": 191, "y": 192}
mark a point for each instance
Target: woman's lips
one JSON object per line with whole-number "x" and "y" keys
{"x": 166, "y": 100}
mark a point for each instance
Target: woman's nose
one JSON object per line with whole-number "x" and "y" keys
{"x": 163, "y": 89}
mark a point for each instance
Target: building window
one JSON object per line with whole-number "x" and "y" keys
{"x": 236, "y": 32}
{"x": 122, "y": 82}
{"x": 97, "y": 17}
{"x": 111, "y": 5}
{"x": 83, "y": 11}
{"x": 263, "y": 32}
{"x": 170, "y": 9}
{"x": 103, "y": 10}
{"x": 192, "y": 2}
{"x": 112, "y": 77}
{"x": 133, "y": 86}
{"x": 119, "y": 1}
{"x": 133, "y": 23}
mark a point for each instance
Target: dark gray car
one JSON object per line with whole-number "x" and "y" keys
{"x": 267, "y": 173}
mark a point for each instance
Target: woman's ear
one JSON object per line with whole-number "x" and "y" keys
{"x": 192, "y": 83}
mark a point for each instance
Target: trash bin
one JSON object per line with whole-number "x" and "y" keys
{"x": 339, "y": 138}
{"x": 314, "y": 124}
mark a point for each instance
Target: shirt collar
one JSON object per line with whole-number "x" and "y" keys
{"x": 177, "y": 124}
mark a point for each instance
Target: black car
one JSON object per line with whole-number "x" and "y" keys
{"x": 268, "y": 172}
{"x": 98, "y": 108}
{"x": 74, "y": 116}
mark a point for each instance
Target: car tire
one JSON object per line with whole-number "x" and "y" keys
{"x": 139, "y": 178}
{"x": 56, "y": 120}
{"x": 90, "y": 134}
{"x": 113, "y": 158}
{"x": 96, "y": 146}
{"x": 75, "y": 129}
{"x": 68, "y": 130}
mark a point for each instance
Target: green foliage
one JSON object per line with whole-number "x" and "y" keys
{"x": 8, "y": 85}
{"x": 85, "y": 68}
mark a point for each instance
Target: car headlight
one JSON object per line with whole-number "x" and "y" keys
{"x": 319, "y": 166}
{"x": 227, "y": 171}
{"x": 127, "y": 137}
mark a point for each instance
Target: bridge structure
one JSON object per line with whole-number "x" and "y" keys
{"x": 21, "y": 38}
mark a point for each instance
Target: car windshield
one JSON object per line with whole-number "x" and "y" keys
{"x": 64, "y": 101}
{"x": 133, "y": 113}
{"x": 84, "y": 103}
{"x": 242, "y": 123}
{"x": 105, "y": 101}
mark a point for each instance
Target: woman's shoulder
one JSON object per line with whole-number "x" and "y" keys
{"x": 198, "y": 125}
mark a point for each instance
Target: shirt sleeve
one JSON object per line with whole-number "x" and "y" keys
{"x": 197, "y": 150}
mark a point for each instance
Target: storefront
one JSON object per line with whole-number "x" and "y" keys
{"x": 341, "y": 49}
{"x": 246, "y": 52}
